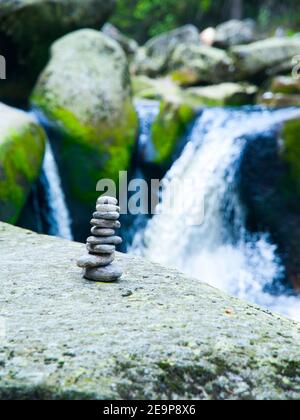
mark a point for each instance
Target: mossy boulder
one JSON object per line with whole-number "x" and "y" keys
{"x": 193, "y": 64}
{"x": 85, "y": 92}
{"x": 265, "y": 56}
{"x": 168, "y": 128}
{"x": 22, "y": 146}
{"x": 29, "y": 27}
{"x": 224, "y": 94}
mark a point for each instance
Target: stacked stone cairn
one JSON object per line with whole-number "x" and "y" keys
{"x": 99, "y": 264}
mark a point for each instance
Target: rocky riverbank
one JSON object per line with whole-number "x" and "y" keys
{"x": 154, "y": 334}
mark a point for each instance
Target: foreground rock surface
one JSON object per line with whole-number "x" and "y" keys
{"x": 155, "y": 334}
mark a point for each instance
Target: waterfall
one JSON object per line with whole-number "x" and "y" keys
{"x": 147, "y": 111}
{"x": 55, "y": 210}
{"x": 220, "y": 250}
{"x": 59, "y": 217}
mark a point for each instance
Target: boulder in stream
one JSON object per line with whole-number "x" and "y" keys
{"x": 85, "y": 92}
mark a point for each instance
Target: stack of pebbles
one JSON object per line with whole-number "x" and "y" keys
{"x": 99, "y": 264}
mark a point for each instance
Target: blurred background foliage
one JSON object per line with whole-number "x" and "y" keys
{"x": 142, "y": 19}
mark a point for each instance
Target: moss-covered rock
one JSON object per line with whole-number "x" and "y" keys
{"x": 191, "y": 64}
{"x": 224, "y": 94}
{"x": 85, "y": 92}
{"x": 156, "y": 334}
{"x": 168, "y": 128}
{"x": 22, "y": 146}
{"x": 29, "y": 27}
{"x": 261, "y": 57}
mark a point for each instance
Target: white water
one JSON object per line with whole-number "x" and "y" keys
{"x": 147, "y": 111}
{"x": 219, "y": 251}
{"x": 60, "y": 221}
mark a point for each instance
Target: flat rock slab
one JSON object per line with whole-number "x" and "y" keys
{"x": 154, "y": 334}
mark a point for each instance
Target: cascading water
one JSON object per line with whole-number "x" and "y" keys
{"x": 147, "y": 111}
{"x": 219, "y": 250}
{"x": 57, "y": 213}
{"x": 59, "y": 217}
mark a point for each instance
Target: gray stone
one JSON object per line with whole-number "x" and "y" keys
{"x": 235, "y": 32}
{"x": 194, "y": 64}
{"x": 129, "y": 45}
{"x": 107, "y": 200}
{"x": 110, "y": 224}
{"x": 107, "y": 274}
{"x": 152, "y": 59}
{"x": 263, "y": 56}
{"x": 111, "y": 215}
{"x": 109, "y": 240}
{"x": 102, "y": 232}
{"x": 101, "y": 249}
{"x": 104, "y": 208}
{"x": 174, "y": 338}
{"x": 90, "y": 261}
